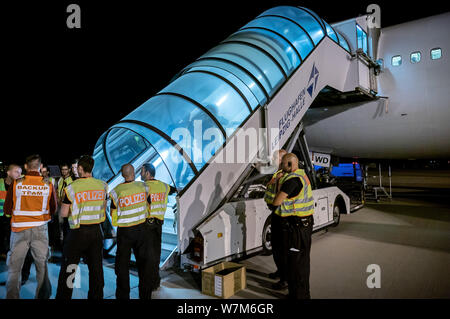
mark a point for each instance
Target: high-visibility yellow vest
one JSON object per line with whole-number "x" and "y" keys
{"x": 301, "y": 205}
{"x": 159, "y": 192}
{"x": 88, "y": 197}
{"x": 131, "y": 204}
{"x": 2, "y": 195}
{"x": 271, "y": 189}
{"x": 61, "y": 181}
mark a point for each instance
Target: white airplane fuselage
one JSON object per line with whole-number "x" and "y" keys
{"x": 415, "y": 121}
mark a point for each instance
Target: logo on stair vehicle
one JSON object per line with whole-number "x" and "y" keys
{"x": 312, "y": 82}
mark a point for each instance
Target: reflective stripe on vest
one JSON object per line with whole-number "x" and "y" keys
{"x": 300, "y": 205}
{"x": 271, "y": 189}
{"x": 131, "y": 204}
{"x": 2, "y": 195}
{"x": 88, "y": 198}
{"x": 159, "y": 192}
{"x": 31, "y": 198}
{"x": 61, "y": 181}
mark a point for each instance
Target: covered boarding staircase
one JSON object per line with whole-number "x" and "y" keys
{"x": 263, "y": 76}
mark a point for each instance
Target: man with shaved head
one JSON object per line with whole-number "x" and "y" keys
{"x": 129, "y": 211}
{"x": 278, "y": 257}
{"x": 294, "y": 204}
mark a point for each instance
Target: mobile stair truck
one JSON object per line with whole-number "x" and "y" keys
{"x": 200, "y": 132}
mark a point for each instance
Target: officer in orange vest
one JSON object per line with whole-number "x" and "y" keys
{"x": 30, "y": 201}
{"x": 84, "y": 205}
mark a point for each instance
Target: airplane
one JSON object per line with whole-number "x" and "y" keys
{"x": 409, "y": 118}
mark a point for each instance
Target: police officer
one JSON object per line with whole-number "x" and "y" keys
{"x": 159, "y": 192}
{"x": 13, "y": 173}
{"x": 54, "y": 230}
{"x": 64, "y": 180}
{"x": 295, "y": 205}
{"x": 46, "y": 174}
{"x": 86, "y": 199}
{"x": 129, "y": 211}
{"x": 271, "y": 191}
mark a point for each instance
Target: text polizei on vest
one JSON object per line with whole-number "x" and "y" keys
{"x": 89, "y": 196}
{"x": 132, "y": 199}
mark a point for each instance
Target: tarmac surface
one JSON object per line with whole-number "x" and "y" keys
{"x": 408, "y": 237}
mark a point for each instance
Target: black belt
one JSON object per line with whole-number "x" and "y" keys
{"x": 299, "y": 221}
{"x": 153, "y": 220}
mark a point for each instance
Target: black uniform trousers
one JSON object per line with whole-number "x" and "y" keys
{"x": 5, "y": 233}
{"x": 296, "y": 235}
{"x": 54, "y": 233}
{"x": 136, "y": 238}
{"x": 155, "y": 233}
{"x": 86, "y": 242}
{"x": 279, "y": 256}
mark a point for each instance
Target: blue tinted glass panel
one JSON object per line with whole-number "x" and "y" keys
{"x": 242, "y": 75}
{"x": 180, "y": 119}
{"x": 321, "y": 22}
{"x": 282, "y": 49}
{"x": 303, "y": 18}
{"x": 122, "y": 146}
{"x": 343, "y": 43}
{"x": 289, "y": 30}
{"x": 101, "y": 168}
{"x": 361, "y": 38}
{"x": 233, "y": 79}
{"x": 331, "y": 32}
{"x": 245, "y": 63}
{"x": 163, "y": 153}
{"x": 179, "y": 169}
{"x": 264, "y": 43}
{"x": 227, "y": 106}
{"x": 152, "y": 156}
{"x": 252, "y": 58}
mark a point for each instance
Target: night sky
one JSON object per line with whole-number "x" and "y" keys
{"x": 62, "y": 88}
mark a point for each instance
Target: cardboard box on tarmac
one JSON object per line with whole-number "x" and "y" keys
{"x": 224, "y": 280}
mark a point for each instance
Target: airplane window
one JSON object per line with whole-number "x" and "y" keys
{"x": 436, "y": 54}
{"x": 397, "y": 60}
{"x": 415, "y": 57}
